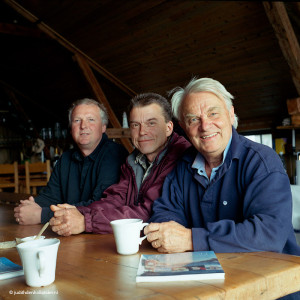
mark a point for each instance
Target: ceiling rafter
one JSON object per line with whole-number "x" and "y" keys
{"x": 68, "y": 45}
{"x": 86, "y": 64}
{"x": 152, "y": 52}
{"x": 287, "y": 39}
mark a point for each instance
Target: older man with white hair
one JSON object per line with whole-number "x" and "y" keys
{"x": 227, "y": 194}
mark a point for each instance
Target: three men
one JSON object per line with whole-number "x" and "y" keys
{"x": 82, "y": 174}
{"x": 157, "y": 150}
{"x": 227, "y": 194}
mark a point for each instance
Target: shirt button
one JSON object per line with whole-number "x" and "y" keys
{"x": 224, "y": 202}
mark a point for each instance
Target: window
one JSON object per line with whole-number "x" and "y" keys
{"x": 265, "y": 139}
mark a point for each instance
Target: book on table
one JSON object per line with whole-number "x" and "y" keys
{"x": 199, "y": 265}
{"x": 8, "y": 269}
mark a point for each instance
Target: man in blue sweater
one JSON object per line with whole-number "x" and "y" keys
{"x": 227, "y": 194}
{"x": 82, "y": 174}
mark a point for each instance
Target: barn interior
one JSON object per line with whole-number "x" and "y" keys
{"x": 54, "y": 52}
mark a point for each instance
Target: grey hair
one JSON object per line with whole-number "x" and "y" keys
{"x": 88, "y": 101}
{"x": 201, "y": 85}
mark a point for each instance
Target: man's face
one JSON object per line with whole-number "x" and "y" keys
{"x": 149, "y": 130}
{"x": 207, "y": 122}
{"x": 87, "y": 127}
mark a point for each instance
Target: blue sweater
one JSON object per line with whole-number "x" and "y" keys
{"x": 246, "y": 207}
{"x": 79, "y": 180}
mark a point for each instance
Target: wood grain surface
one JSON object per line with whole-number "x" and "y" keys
{"x": 88, "y": 267}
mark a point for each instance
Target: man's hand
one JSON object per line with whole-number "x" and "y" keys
{"x": 28, "y": 212}
{"x": 67, "y": 220}
{"x": 169, "y": 237}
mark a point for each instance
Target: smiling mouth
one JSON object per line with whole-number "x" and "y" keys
{"x": 208, "y": 136}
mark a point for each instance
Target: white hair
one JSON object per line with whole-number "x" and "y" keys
{"x": 201, "y": 85}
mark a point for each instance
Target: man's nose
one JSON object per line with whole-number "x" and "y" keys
{"x": 83, "y": 124}
{"x": 143, "y": 129}
{"x": 205, "y": 123}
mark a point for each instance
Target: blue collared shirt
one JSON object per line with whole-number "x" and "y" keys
{"x": 199, "y": 163}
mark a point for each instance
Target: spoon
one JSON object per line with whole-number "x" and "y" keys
{"x": 41, "y": 231}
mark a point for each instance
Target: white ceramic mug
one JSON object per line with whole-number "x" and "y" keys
{"x": 127, "y": 235}
{"x": 39, "y": 261}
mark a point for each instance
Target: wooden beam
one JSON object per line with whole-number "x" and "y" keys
{"x": 118, "y": 133}
{"x": 99, "y": 95}
{"x": 96, "y": 88}
{"x": 85, "y": 63}
{"x": 56, "y": 36}
{"x": 287, "y": 39}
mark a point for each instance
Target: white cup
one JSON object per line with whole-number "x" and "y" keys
{"x": 39, "y": 261}
{"x": 127, "y": 235}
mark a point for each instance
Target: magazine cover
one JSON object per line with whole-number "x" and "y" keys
{"x": 199, "y": 265}
{"x": 8, "y": 269}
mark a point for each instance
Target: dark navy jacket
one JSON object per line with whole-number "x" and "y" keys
{"x": 246, "y": 207}
{"x": 79, "y": 180}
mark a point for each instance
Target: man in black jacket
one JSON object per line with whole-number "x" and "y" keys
{"x": 82, "y": 174}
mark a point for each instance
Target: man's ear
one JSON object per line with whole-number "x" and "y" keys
{"x": 232, "y": 116}
{"x": 170, "y": 126}
{"x": 103, "y": 128}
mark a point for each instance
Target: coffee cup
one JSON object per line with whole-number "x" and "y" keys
{"x": 39, "y": 261}
{"x": 127, "y": 235}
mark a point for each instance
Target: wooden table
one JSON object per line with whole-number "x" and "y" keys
{"x": 12, "y": 198}
{"x": 88, "y": 267}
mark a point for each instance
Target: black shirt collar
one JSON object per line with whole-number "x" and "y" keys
{"x": 77, "y": 155}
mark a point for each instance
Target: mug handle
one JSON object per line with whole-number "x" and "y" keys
{"x": 42, "y": 261}
{"x": 144, "y": 237}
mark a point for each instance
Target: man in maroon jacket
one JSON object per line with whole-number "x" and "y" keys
{"x": 157, "y": 150}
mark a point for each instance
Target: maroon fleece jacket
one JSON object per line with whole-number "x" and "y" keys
{"x": 123, "y": 200}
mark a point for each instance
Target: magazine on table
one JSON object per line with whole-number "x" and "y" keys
{"x": 8, "y": 269}
{"x": 199, "y": 265}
